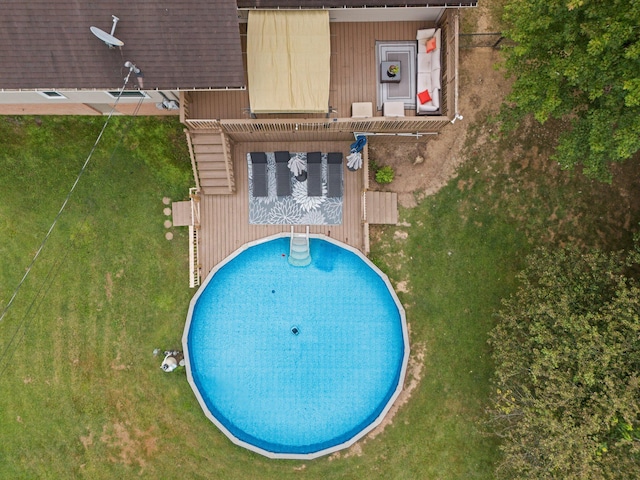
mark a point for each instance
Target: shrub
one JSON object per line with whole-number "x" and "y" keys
{"x": 385, "y": 175}
{"x": 566, "y": 354}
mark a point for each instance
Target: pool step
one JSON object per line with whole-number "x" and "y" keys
{"x": 299, "y": 252}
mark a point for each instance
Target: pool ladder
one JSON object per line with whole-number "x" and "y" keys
{"x": 299, "y": 251}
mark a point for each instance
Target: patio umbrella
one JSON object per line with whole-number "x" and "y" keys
{"x": 296, "y": 165}
{"x": 354, "y": 161}
{"x": 359, "y": 144}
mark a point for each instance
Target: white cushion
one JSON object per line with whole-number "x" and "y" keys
{"x": 435, "y": 59}
{"x": 362, "y": 110}
{"x": 427, "y": 107}
{"x": 425, "y": 63}
{"x": 426, "y": 33}
{"x": 435, "y": 78}
{"x": 393, "y": 109}
{"x": 435, "y": 98}
{"x": 424, "y": 82}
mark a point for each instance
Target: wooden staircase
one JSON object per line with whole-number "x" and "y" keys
{"x": 212, "y": 161}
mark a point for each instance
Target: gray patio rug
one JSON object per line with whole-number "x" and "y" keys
{"x": 405, "y": 91}
{"x": 294, "y": 209}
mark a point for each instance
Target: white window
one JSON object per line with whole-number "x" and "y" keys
{"x": 52, "y": 95}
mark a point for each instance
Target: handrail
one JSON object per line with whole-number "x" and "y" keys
{"x": 228, "y": 165}
{"x": 193, "y": 159}
{"x": 194, "y": 196}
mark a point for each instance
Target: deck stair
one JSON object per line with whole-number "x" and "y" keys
{"x": 211, "y": 159}
{"x": 299, "y": 251}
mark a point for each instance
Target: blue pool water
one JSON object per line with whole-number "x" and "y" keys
{"x": 295, "y": 360}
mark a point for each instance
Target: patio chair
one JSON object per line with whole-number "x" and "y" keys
{"x": 334, "y": 174}
{"x": 283, "y": 174}
{"x": 314, "y": 174}
{"x": 259, "y": 168}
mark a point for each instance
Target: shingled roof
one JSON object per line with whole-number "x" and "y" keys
{"x": 186, "y": 44}
{"x": 353, "y": 3}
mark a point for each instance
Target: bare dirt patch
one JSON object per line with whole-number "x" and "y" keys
{"x": 400, "y": 235}
{"x": 403, "y": 286}
{"x": 87, "y": 440}
{"x": 117, "y": 364}
{"x": 129, "y": 445}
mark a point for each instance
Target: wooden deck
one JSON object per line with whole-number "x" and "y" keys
{"x": 353, "y": 73}
{"x": 224, "y": 219}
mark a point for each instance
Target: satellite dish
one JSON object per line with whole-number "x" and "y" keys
{"x": 108, "y": 38}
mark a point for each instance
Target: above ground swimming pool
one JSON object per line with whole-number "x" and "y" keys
{"x": 296, "y": 362}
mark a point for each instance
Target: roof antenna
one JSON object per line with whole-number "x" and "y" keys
{"x": 108, "y": 38}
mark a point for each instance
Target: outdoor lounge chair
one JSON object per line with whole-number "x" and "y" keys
{"x": 334, "y": 174}
{"x": 259, "y": 168}
{"x": 314, "y": 174}
{"x": 283, "y": 174}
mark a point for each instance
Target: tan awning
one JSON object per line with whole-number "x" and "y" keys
{"x": 288, "y": 55}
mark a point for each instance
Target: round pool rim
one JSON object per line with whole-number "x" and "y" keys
{"x": 329, "y": 450}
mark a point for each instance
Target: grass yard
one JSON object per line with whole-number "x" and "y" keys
{"x": 82, "y": 395}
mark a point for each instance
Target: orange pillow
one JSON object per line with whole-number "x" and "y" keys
{"x": 424, "y": 97}
{"x": 431, "y": 44}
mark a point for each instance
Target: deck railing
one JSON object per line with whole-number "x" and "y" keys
{"x": 409, "y": 125}
{"x": 194, "y": 239}
{"x": 450, "y": 26}
{"x": 185, "y": 99}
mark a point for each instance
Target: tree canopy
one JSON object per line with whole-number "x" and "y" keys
{"x": 578, "y": 60}
{"x": 567, "y": 352}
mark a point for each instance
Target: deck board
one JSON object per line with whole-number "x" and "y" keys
{"x": 382, "y": 207}
{"x": 224, "y": 219}
{"x": 181, "y": 213}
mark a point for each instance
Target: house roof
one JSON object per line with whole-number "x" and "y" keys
{"x": 47, "y": 44}
{"x": 353, "y": 3}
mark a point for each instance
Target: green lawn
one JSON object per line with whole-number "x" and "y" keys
{"x": 82, "y": 395}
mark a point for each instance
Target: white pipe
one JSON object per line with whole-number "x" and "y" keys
{"x": 115, "y": 22}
